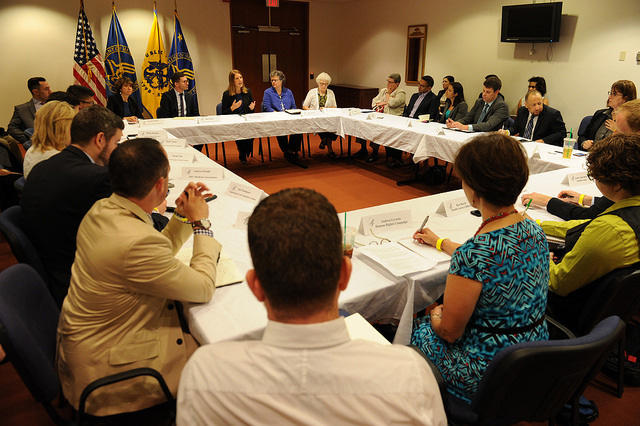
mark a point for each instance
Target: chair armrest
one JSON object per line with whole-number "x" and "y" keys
{"x": 559, "y": 327}
{"x": 120, "y": 377}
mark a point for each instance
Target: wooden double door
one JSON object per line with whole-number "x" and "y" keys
{"x": 264, "y": 39}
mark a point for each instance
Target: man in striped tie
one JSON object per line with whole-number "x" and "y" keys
{"x": 538, "y": 122}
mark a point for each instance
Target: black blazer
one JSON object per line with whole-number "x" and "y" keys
{"x": 550, "y": 126}
{"x": 429, "y": 105}
{"x": 227, "y": 100}
{"x": 56, "y": 196}
{"x": 569, "y": 211}
{"x": 457, "y": 112}
{"x": 169, "y": 105}
{"x": 497, "y": 114}
{"x": 116, "y": 104}
{"x": 598, "y": 119}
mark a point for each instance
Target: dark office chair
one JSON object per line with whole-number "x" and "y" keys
{"x": 23, "y": 250}
{"x": 18, "y": 184}
{"x": 583, "y": 124}
{"x": 28, "y": 322}
{"x": 532, "y": 381}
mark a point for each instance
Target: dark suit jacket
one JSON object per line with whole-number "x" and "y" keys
{"x": 569, "y": 211}
{"x": 116, "y": 104}
{"x": 22, "y": 119}
{"x": 497, "y": 114}
{"x": 56, "y": 197}
{"x": 598, "y": 119}
{"x": 169, "y": 105}
{"x": 429, "y": 105}
{"x": 550, "y": 126}
{"x": 457, "y": 112}
{"x": 227, "y": 100}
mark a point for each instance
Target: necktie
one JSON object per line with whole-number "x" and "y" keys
{"x": 529, "y": 130}
{"x": 181, "y": 106}
{"x": 483, "y": 114}
{"x": 417, "y": 105}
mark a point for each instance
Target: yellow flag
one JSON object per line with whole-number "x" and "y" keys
{"x": 155, "y": 70}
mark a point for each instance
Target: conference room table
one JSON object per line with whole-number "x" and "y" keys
{"x": 423, "y": 140}
{"x": 375, "y": 293}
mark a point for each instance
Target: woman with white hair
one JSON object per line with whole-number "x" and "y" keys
{"x": 319, "y": 98}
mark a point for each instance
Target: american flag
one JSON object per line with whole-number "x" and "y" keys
{"x": 88, "y": 67}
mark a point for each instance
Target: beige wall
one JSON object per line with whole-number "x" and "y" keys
{"x": 357, "y": 42}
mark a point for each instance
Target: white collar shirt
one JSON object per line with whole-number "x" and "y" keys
{"x": 308, "y": 374}
{"x": 179, "y": 98}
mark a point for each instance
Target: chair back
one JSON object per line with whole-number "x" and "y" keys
{"x": 583, "y": 124}
{"x": 219, "y": 109}
{"x": 11, "y": 226}
{"x": 509, "y": 122}
{"x": 18, "y": 184}
{"x": 11, "y": 145}
{"x": 531, "y": 381}
{"x": 28, "y": 321}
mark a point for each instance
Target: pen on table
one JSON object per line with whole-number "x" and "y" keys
{"x": 424, "y": 222}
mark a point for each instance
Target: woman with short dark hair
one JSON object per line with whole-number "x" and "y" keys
{"x": 539, "y": 84}
{"x": 279, "y": 98}
{"x": 496, "y": 290}
{"x": 121, "y": 102}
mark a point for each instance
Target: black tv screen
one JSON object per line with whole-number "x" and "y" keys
{"x": 531, "y": 23}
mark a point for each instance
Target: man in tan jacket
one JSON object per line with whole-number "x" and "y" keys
{"x": 120, "y": 312}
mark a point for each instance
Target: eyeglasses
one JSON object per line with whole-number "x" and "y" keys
{"x": 614, "y": 93}
{"x": 532, "y": 86}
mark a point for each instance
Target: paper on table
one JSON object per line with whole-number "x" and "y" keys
{"x": 425, "y": 251}
{"x": 226, "y": 271}
{"x": 359, "y": 328}
{"x": 397, "y": 259}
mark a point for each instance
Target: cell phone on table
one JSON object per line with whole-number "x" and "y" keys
{"x": 476, "y": 213}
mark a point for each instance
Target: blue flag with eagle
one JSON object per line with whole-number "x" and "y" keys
{"x": 118, "y": 61}
{"x": 179, "y": 58}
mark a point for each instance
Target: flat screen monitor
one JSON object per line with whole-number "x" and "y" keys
{"x": 531, "y": 23}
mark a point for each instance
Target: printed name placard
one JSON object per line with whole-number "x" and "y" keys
{"x": 244, "y": 192}
{"x": 576, "y": 179}
{"x": 158, "y": 134}
{"x": 178, "y": 143}
{"x": 216, "y": 173}
{"x": 183, "y": 155}
{"x": 209, "y": 119}
{"x": 453, "y": 207}
{"x": 381, "y": 223}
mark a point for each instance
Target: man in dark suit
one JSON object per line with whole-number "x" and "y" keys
{"x": 488, "y": 114}
{"x": 24, "y": 114}
{"x": 177, "y": 102}
{"x": 538, "y": 122}
{"x": 423, "y": 102}
{"x": 61, "y": 190}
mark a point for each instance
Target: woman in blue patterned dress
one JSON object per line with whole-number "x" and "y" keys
{"x": 496, "y": 291}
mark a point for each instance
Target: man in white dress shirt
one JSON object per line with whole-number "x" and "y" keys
{"x": 306, "y": 369}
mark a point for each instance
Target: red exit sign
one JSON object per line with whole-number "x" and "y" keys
{"x": 273, "y": 3}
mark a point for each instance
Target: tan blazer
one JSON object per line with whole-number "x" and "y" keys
{"x": 396, "y": 103}
{"x": 119, "y": 313}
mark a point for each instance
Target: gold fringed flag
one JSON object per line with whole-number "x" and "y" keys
{"x": 155, "y": 70}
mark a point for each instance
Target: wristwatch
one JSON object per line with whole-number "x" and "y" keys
{"x": 201, "y": 224}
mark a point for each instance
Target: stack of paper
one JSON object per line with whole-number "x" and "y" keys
{"x": 397, "y": 259}
{"x": 226, "y": 271}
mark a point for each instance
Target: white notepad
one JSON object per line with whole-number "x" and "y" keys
{"x": 397, "y": 259}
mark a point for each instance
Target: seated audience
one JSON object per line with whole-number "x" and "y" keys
{"x": 24, "y": 114}
{"x": 122, "y": 103}
{"x": 320, "y": 98}
{"x": 455, "y": 106}
{"x": 488, "y": 114}
{"x": 278, "y": 98}
{"x": 306, "y": 369}
{"x": 595, "y": 247}
{"x": 390, "y": 100}
{"x": 60, "y": 191}
{"x": 602, "y": 123}
{"x": 120, "y": 313}
{"x": 571, "y": 204}
{"x": 237, "y": 99}
{"x": 442, "y": 99}
{"x": 538, "y": 122}
{"x": 81, "y": 96}
{"x": 539, "y": 84}
{"x": 51, "y": 133}
{"x": 496, "y": 290}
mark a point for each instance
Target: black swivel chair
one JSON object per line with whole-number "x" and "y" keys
{"x": 532, "y": 381}
{"x": 28, "y": 322}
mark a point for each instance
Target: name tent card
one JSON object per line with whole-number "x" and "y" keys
{"x": 244, "y": 192}
{"x": 385, "y": 222}
{"x": 216, "y": 173}
{"x": 453, "y": 207}
{"x": 158, "y": 134}
{"x": 576, "y": 179}
{"x": 177, "y": 143}
{"x": 181, "y": 155}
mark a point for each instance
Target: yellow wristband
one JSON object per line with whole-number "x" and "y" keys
{"x": 581, "y": 200}
{"x": 539, "y": 222}
{"x": 439, "y": 243}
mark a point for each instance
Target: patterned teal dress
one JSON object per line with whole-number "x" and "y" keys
{"x": 512, "y": 264}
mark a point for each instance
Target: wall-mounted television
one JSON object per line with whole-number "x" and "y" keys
{"x": 531, "y": 23}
